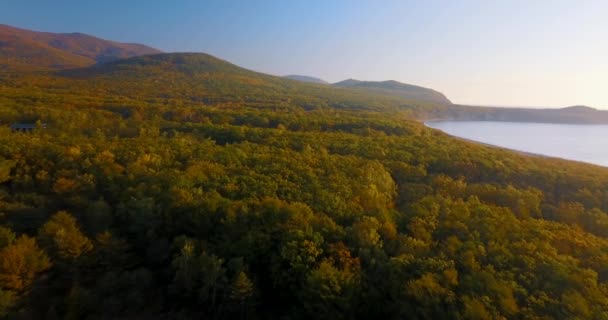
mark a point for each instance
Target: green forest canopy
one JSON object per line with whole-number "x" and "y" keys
{"x": 180, "y": 186}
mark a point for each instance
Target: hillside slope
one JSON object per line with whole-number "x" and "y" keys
{"x": 30, "y": 50}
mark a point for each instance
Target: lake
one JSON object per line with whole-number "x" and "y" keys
{"x": 587, "y": 143}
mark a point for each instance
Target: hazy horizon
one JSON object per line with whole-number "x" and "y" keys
{"x": 504, "y": 53}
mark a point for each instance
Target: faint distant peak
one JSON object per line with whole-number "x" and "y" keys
{"x": 396, "y": 88}
{"x": 306, "y": 79}
{"x": 579, "y": 108}
{"x": 348, "y": 83}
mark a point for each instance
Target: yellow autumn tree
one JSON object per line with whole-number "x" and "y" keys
{"x": 62, "y": 236}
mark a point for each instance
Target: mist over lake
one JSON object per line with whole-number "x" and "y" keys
{"x": 587, "y": 143}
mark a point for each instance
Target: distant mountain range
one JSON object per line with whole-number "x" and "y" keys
{"x": 573, "y": 115}
{"x": 202, "y": 77}
{"x": 22, "y": 49}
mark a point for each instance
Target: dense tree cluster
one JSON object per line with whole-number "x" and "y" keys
{"x": 150, "y": 207}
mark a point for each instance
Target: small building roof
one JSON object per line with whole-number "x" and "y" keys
{"x": 26, "y": 126}
{"x": 23, "y": 125}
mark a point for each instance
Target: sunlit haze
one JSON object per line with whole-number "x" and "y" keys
{"x": 506, "y": 53}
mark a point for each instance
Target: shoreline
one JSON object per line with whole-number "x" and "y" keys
{"x": 524, "y": 153}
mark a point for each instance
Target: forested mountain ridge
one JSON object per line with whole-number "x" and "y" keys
{"x": 180, "y": 186}
{"x": 30, "y": 50}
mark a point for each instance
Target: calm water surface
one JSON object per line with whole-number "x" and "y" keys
{"x": 588, "y": 143}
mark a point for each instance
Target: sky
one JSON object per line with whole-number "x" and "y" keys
{"x": 540, "y": 53}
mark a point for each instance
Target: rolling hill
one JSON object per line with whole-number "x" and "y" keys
{"x": 30, "y": 50}
{"x": 395, "y": 88}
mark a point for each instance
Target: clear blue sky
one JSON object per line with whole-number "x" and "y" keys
{"x": 513, "y": 53}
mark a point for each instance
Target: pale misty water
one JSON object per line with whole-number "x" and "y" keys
{"x": 588, "y": 143}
